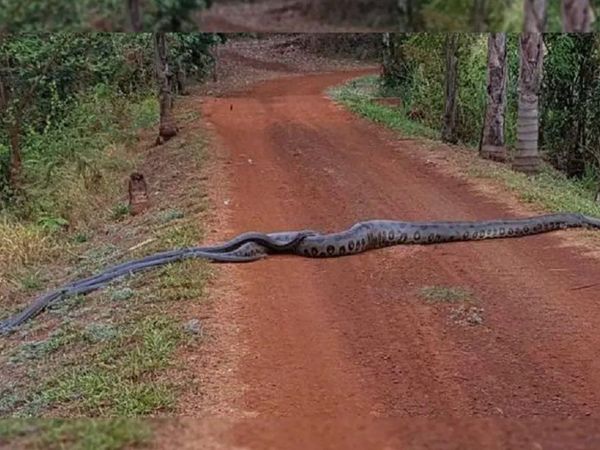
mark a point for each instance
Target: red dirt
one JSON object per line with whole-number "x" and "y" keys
{"x": 343, "y": 353}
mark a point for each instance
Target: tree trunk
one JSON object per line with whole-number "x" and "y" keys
{"x": 492, "y": 143}
{"x": 577, "y": 16}
{"x": 15, "y": 164}
{"x": 579, "y": 150}
{"x": 527, "y": 158}
{"x": 535, "y": 16}
{"x": 405, "y": 16}
{"x": 13, "y": 127}
{"x": 451, "y": 87}
{"x": 386, "y": 55}
{"x": 135, "y": 16}
{"x": 479, "y": 13}
{"x": 181, "y": 80}
{"x": 167, "y": 127}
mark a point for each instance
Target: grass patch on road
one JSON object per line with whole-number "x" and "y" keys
{"x": 464, "y": 310}
{"x": 444, "y": 294}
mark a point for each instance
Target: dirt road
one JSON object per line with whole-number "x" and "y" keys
{"x": 345, "y": 353}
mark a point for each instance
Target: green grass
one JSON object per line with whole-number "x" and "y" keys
{"x": 549, "y": 190}
{"x": 36, "y": 350}
{"x": 113, "y": 352}
{"x": 112, "y": 371}
{"x": 120, "y": 211}
{"x": 446, "y": 294}
{"x": 358, "y": 95}
{"x": 76, "y": 434}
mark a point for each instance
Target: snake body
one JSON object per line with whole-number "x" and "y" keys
{"x": 361, "y": 237}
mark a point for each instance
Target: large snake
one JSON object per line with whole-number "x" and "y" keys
{"x": 359, "y": 238}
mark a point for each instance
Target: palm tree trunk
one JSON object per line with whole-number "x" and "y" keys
{"x": 577, "y": 16}
{"x": 527, "y": 158}
{"x": 535, "y": 16}
{"x": 451, "y": 87}
{"x": 492, "y": 144}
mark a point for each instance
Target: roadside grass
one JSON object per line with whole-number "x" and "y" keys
{"x": 111, "y": 353}
{"x": 358, "y": 96}
{"x": 75, "y": 434}
{"x": 549, "y": 190}
{"x": 74, "y": 178}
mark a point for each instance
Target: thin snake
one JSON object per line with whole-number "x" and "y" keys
{"x": 361, "y": 237}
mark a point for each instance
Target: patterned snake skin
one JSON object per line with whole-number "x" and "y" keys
{"x": 361, "y": 237}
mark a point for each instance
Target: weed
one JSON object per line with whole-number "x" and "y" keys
{"x": 41, "y": 349}
{"x": 170, "y": 215}
{"x": 53, "y": 224}
{"x": 120, "y": 211}
{"x": 145, "y": 113}
{"x": 179, "y": 235}
{"x": 183, "y": 281}
{"x": 443, "y": 294}
{"x": 465, "y": 312}
{"x": 24, "y": 245}
{"x": 81, "y": 237}
{"x": 32, "y": 281}
{"x": 120, "y": 295}
{"x": 100, "y": 332}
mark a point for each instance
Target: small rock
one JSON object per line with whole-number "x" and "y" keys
{"x": 193, "y": 326}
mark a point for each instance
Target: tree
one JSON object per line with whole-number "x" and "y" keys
{"x": 164, "y": 76}
{"x": 22, "y": 79}
{"x": 577, "y": 16}
{"x": 394, "y": 67}
{"x": 135, "y": 17}
{"x": 405, "y": 16}
{"x": 536, "y": 14}
{"x": 386, "y": 55}
{"x": 492, "y": 142}
{"x": 451, "y": 87}
{"x": 569, "y": 102}
{"x": 527, "y": 158}
{"x": 479, "y": 15}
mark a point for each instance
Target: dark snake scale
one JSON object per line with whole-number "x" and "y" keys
{"x": 359, "y": 238}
